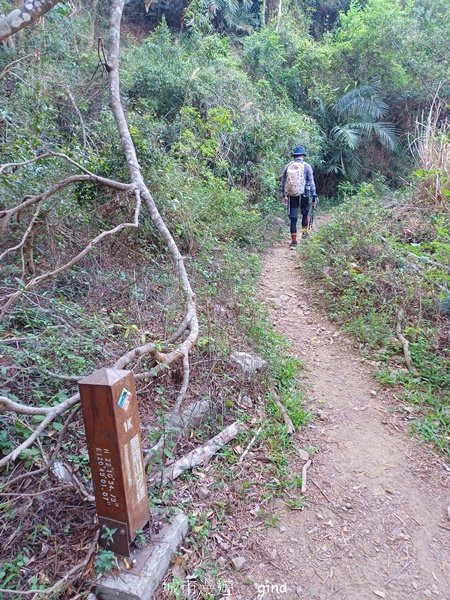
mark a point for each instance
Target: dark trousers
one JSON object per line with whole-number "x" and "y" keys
{"x": 299, "y": 204}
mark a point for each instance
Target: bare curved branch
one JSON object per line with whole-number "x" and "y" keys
{"x": 7, "y": 69}
{"x": 137, "y": 179}
{"x": 72, "y": 574}
{"x": 26, "y": 234}
{"x": 7, "y": 214}
{"x": 51, "y": 414}
{"x": 104, "y": 180}
{"x": 41, "y": 278}
{"x": 52, "y": 459}
{"x": 8, "y": 405}
{"x": 405, "y": 345}
{"x": 139, "y": 187}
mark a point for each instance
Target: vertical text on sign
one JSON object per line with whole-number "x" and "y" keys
{"x": 107, "y": 476}
{"x": 138, "y": 471}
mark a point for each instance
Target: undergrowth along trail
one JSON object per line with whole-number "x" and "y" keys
{"x": 376, "y": 521}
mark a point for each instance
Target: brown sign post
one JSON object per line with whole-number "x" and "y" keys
{"x": 108, "y": 400}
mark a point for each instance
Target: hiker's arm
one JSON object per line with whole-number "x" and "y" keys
{"x": 283, "y": 181}
{"x": 309, "y": 180}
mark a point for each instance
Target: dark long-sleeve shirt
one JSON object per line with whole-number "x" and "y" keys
{"x": 310, "y": 185}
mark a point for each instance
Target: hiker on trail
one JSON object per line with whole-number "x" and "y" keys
{"x": 298, "y": 187}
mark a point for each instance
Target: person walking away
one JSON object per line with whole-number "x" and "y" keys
{"x": 298, "y": 187}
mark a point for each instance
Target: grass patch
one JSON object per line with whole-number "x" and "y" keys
{"x": 365, "y": 260}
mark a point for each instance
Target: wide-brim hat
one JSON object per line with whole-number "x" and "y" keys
{"x": 298, "y": 151}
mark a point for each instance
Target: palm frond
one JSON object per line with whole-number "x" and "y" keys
{"x": 346, "y": 136}
{"x": 363, "y": 102}
{"x": 241, "y": 19}
{"x": 354, "y": 168}
{"x": 224, "y": 7}
{"x": 385, "y": 132}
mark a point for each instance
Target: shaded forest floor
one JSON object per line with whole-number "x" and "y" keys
{"x": 375, "y": 522}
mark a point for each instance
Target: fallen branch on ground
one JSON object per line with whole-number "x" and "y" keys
{"x": 48, "y": 465}
{"x": 203, "y": 454}
{"x": 408, "y": 564}
{"x": 138, "y": 186}
{"x": 405, "y": 345}
{"x": 53, "y": 412}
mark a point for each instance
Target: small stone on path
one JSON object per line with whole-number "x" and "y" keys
{"x": 247, "y": 401}
{"x": 238, "y": 562}
{"x": 248, "y": 363}
{"x": 303, "y": 455}
{"x": 203, "y": 493}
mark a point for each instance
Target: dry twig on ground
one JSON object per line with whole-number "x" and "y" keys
{"x": 287, "y": 421}
{"x": 249, "y": 446}
{"x": 405, "y": 345}
{"x": 304, "y": 471}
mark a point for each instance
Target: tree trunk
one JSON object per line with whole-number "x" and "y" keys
{"x": 94, "y": 8}
{"x": 21, "y": 17}
{"x": 280, "y": 9}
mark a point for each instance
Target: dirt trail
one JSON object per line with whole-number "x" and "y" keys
{"x": 376, "y": 524}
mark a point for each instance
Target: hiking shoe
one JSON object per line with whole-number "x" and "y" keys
{"x": 305, "y": 235}
{"x": 293, "y": 245}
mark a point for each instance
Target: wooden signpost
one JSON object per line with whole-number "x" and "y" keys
{"x": 108, "y": 400}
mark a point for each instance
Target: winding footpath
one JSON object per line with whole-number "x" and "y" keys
{"x": 376, "y": 524}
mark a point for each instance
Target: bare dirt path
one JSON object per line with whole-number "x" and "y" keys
{"x": 376, "y": 523}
